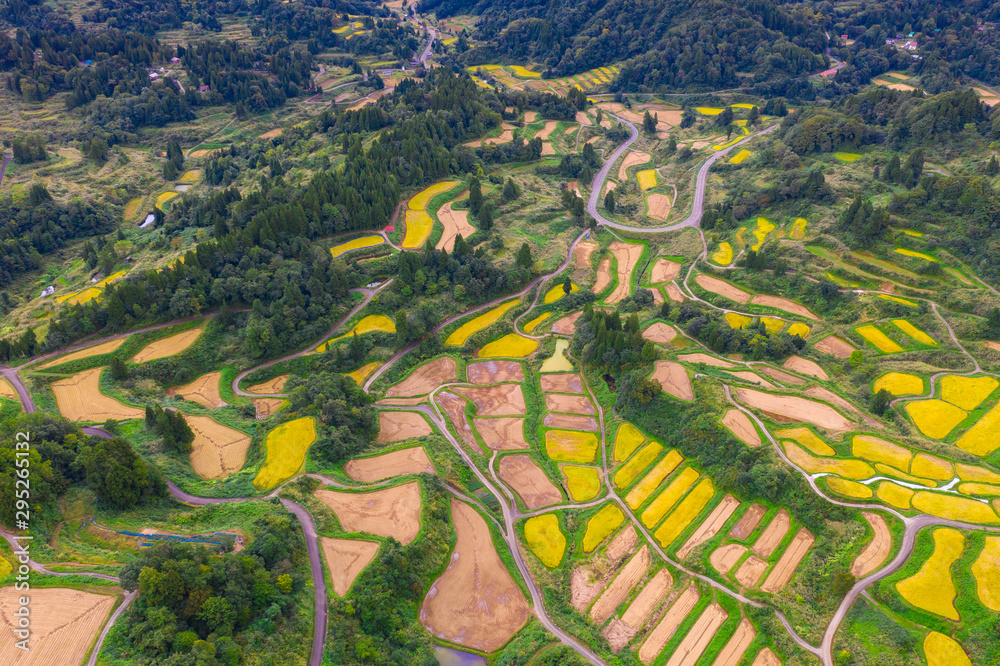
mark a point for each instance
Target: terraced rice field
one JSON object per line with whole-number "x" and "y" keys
{"x": 764, "y": 227}
{"x": 981, "y": 439}
{"x": 848, "y": 488}
{"x": 79, "y": 398}
{"x": 878, "y": 339}
{"x": 627, "y": 440}
{"x": 932, "y": 588}
{"x": 413, "y": 460}
{"x": 345, "y": 559}
{"x": 461, "y": 335}
{"x": 529, "y": 481}
{"x": 878, "y": 549}
{"x": 914, "y": 332}
{"x": 393, "y": 511}
{"x": 795, "y": 409}
{"x": 204, "y": 390}
{"x": 942, "y": 650}
{"x": 286, "y": 448}
{"x": 798, "y": 231}
{"x": 628, "y": 472}
{"x": 96, "y": 350}
{"x": 169, "y": 346}
{"x": 571, "y": 446}
{"x": 356, "y": 244}
{"x": 557, "y": 292}
{"x": 899, "y": 383}
{"x": 986, "y": 570}
{"x": 742, "y": 427}
{"x": 545, "y": 539}
{"x": 935, "y": 418}
{"x": 912, "y": 253}
{"x": 217, "y": 450}
{"x": 967, "y": 392}
{"x": 739, "y": 157}
{"x": 736, "y": 320}
{"x": 425, "y": 378}
{"x": 724, "y": 255}
{"x": 64, "y": 624}
{"x": 686, "y": 511}
{"x": 647, "y": 179}
{"x": 583, "y": 483}
{"x": 511, "y": 345}
{"x": 601, "y": 525}
{"x": 651, "y": 481}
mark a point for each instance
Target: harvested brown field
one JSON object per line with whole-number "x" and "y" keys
{"x": 96, "y": 350}
{"x": 583, "y": 118}
{"x": 583, "y": 590}
{"x": 995, "y": 346}
{"x": 529, "y": 481}
{"x": 502, "y": 400}
{"x": 753, "y": 378}
{"x": 566, "y": 325}
{"x": 804, "y": 366}
{"x": 710, "y": 527}
{"x": 425, "y": 378}
{"x": 64, "y": 624}
{"x": 659, "y": 206}
{"x": 394, "y": 426}
{"x": 724, "y": 558}
{"x": 634, "y": 158}
{"x": 413, "y": 460}
{"x": 454, "y": 409}
{"x": 204, "y": 390}
{"x": 834, "y": 346}
{"x": 781, "y": 376}
{"x": 570, "y": 404}
{"x": 831, "y": 397}
{"x": 691, "y": 648}
{"x": 618, "y": 635}
{"x": 713, "y": 361}
{"x": 674, "y": 293}
{"x": 748, "y": 522}
{"x": 391, "y": 512}
{"x": 664, "y": 630}
{"x": 581, "y": 255}
{"x": 742, "y": 427}
{"x": 732, "y": 653}
{"x": 660, "y": 333}
{"x": 876, "y": 552}
{"x": 664, "y": 270}
{"x": 766, "y": 658}
{"x": 794, "y": 409}
{"x": 475, "y": 602}
{"x": 627, "y": 255}
{"x": 603, "y": 276}
{"x": 168, "y": 346}
{"x": 79, "y": 398}
{"x": 657, "y": 297}
{"x": 545, "y": 132}
{"x": 648, "y": 599}
{"x": 7, "y": 391}
{"x": 621, "y": 587}
{"x": 456, "y": 223}
{"x": 494, "y": 372}
{"x": 750, "y": 572}
{"x": 784, "y": 304}
{"x": 562, "y": 383}
{"x": 722, "y": 288}
{"x": 570, "y": 422}
{"x": 789, "y": 562}
{"x": 674, "y": 379}
{"x": 346, "y": 558}
{"x": 401, "y": 402}
{"x": 501, "y": 434}
{"x": 217, "y": 450}
{"x": 771, "y": 537}
{"x": 266, "y": 406}
{"x": 270, "y": 387}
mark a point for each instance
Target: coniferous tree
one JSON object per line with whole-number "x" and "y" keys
{"x": 524, "y": 256}
{"x": 609, "y": 201}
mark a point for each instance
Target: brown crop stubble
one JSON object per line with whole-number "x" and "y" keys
{"x": 570, "y": 422}
{"x": 391, "y": 512}
{"x": 454, "y": 408}
{"x": 875, "y": 553}
{"x": 269, "y": 387}
{"x": 413, "y": 460}
{"x": 494, "y": 372}
{"x": 750, "y": 572}
{"x": 724, "y": 558}
{"x": 570, "y": 404}
{"x": 834, "y": 346}
{"x": 166, "y": 347}
{"x": 79, "y": 398}
{"x": 583, "y": 590}
{"x": 425, "y": 378}
{"x": 346, "y": 558}
{"x": 664, "y": 270}
{"x": 748, "y": 522}
{"x": 529, "y": 481}
{"x": 456, "y": 223}
{"x": 603, "y": 276}
{"x": 795, "y": 409}
{"x": 668, "y": 624}
{"x": 627, "y": 255}
{"x": 722, "y": 288}
{"x": 733, "y": 652}
{"x": 766, "y": 658}
{"x": 502, "y": 400}
{"x": 566, "y": 325}
{"x": 582, "y": 253}
{"x": 562, "y": 383}
{"x": 660, "y": 333}
{"x": 771, "y": 537}
{"x": 501, "y": 434}
{"x": 789, "y": 562}
{"x": 674, "y": 379}
{"x": 475, "y": 602}
{"x": 742, "y": 427}
{"x": 621, "y": 586}
{"x": 64, "y": 624}
{"x": 710, "y": 527}
{"x": 217, "y": 451}
{"x": 395, "y": 426}
{"x": 204, "y": 390}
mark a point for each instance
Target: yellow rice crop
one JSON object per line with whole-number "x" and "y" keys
{"x": 942, "y": 650}
{"x": 979, "y": 489}
{"x": 981, "y": 439}
{"x": 799, "y": 229}
{"x": 935, "y": 418}
{"x": 545, "y": 539}
{"x": 708, "y": 111}
{"x": 286, "y": 448}
{"x": 888, "y": 470}
{"x": 740, "y": 156}
{"x": 986, "y": 569}
{"x": 967, "y": 392}
{"x": 799, "y": 329}
{"x": 638, "y": 495}
{"x": 899, "y": 383}
{"x": 851, "y": 469}
{"x": 773, "y": 324}
{"x": 191, "y": 176}
{"x": 466, "y": 330}
{"x": 601, "y": 525}
{"x": 85, "y": 296}
{"x": 628, "y": 472}
{"x": 910, "y": 253}
{"x": 164, "y": 197}
{"x": 627, "y": 441}
{"x": 668, "y": 498}
{"x": 524, "y": 73}
{"x": 974, "y": 473}
{"x": 932, "y": 467}
{"x": 879, "y": 339}
{"x": 420, "y": 200}
{"x": 511, "y": 345}
{"x": 846, "y": 157}
{"x": 897, "y": 299}
{"x": 685, "y": 512}
{"x": 737, "y": 320}
{"x": 878, "y": 450}
{"x": 647, "y": 179}
{"x": 808, "y": 439}
{"x": 418, "y": 229}
{"x": 356, "y": 244}
{"x": 132, "y": 207}
{"x": 914, "y": 332}
{"x": 932, "y": 588}
{"x": 583, "y": 482}
{"x": 724, "y": 255}
{"x": 913, "y": 232}
{"x": 368, "y": 324}
{"x": 533, "y": 324}
{"x": 114, "y": 277}
{"x": 361, "y": 374}
{"x": 764, "y": 227}
{"x": 571, "y": 446}
{"x": 953, "y": 507}
{"x": 894, "y": 494}
{"x": 739, "y": 236}
{"x": 557, "y": 292}
{"x": 848, "y": 488}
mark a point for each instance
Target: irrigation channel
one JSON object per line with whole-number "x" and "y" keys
{"x": 509, "y": 510}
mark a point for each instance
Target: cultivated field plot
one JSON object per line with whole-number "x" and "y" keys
{"x": 425, "y": 378}
{"x": 345, "y": 559}
{"x": 935, "y": 418}
{"x": 783, "y": 304}
{"x": 628, "y": 472}
{"x": 569, "y": 404}
{"x": 589, "y": 580}
{"x": 666, "y": 500}
{"x": 475, "y": 602}
{"x": 396, "y": 426}
{"x": 7, "y": 391}
{"x": 571, "y": 446}
{"x": 627, "y": 255}
{"x": 834, "y": 346}
{"x": 674, "y": 379}
{"x": 454, "y": 409}
{"x": 622, "y": 630}
{"x": 711, "y": 526}
{"x": 794, "y": 409}
{"x": 877, "y": 550}
{"x": 986, "y": 570}
{"x": 391, "y": 512}
{"x": 634, "y": 158}
{"x": 266, "y": 406}
{"x": 96, "y": 350}
{"x": 545, "y": 539}
{"x": 899, "y": 383}
{"x": 932, "y": 588}
{"x": 668, "y": 624}
{"x": 686, "y": 510}
{"x": 652, "y": 480}
{"x": 660, "y": 333}
{"x": 204, "y": 390}
{"x": 413, "y": 460}
{"x": 621, "y": 587}
{"x": 529, "y": 481}
{"x": 981, "y": 439}
{"x": 582, "y": 483}
{"x": 804, "y": 366}
{"x": 664, "y": 270}
{"x": 722, "y": 288}
{"x": 701, "y": 634}
{"x": 494, "y": 372}
{"x": 64, "y": 624}
{"x": 286, "y": 448}
{"x": 789, "y": 561}
{"x": 462, "y": 334}
{"x": 169, "y": 346}
{"x": 565, "y": 383}
{"x": 356, "y": 244}
{"x": 79, "y": 398}
{"x": 566, "y": 325}
{"x": 501, "y": 400}
{"x": 217, "y": 450}
{"x": 742, "y": 427}
{"x": 659, "y": 206}
{"x": 418, "y": 222}
{"x": 271, "y": 386}
{"x": 361, "y": 374}
{"x": 501, "y": 434}
{"x": 878, "y": 339}
{"x": 456, "y": 223}
{"x": 581, "y": 255}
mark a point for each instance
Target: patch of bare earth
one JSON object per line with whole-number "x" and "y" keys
{"x": 784, "y": 304}
{"x": 659, "y": 206}
{"x": 425, "y": 378}
{"x": 627, "y": 255}
{"x": 566, "y": 325}
{"x": 581, "y": 255}
{"x": 395, "y": 426}
{"x": 603, "y": 276}
{"x": 781, "y": 376}
{"x": 771, "y": 537}
{"x": 748, "y": 522}
{"x": 501, "y": 434}
{"x": 413, "y": 460}
{"x": 710, "y": 526}
{"x": 502, "y": 400}
{"x": 835, "y": 346}
{"x": 391, "y": 512}
{"x": 706, "y": 359}
{"x": 724, "y": 558}
{"x": 789, "y": 561}
{"x": 570, "y": 422}
{"x": 528, "y": 481}
{"x": 674, "y": 379}
{"x": 494, "y": 372}
{"x": 345, "y": 559}
{"x": 660, "y": 333}
{"x": 742, "y": 427}
{"x": 794, "y": 409}
{"x": 621, "y": 586}
{"x": 804, "y": 366}
{"x": 570, "y": 404}
{"x": 664, "y": 270}
{"x": 456, "y": 223}
{"x": 722, "y": 288}
{"x": 588, "y": 580}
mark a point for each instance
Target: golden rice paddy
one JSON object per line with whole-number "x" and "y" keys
{"x": 896, "y": 299}
{"x": 557, "y": 292}
{"x": 571, "y": 446}
{"x": 899, "y": 383}
{"x": 880, "y": 340}
{"x": 953, "y": 507}
{"x": 545, "y": 539}
{"x": 511, "y": 345}
{"x": 932, "y": 467}
{"x": 518, "y": 70}
{"x": 932, "y": 588}
{"x": 967, "y": 392}
{"x": 627, "y": 440}
{"x": 708, "y": 111}
{"x": 894, "y": 494}
{"x": 846, "y": 157}
{"x": 638, "y": 495}
{"x": 942, "y": 650}
{"x": 361, "y": 374}
{"x": 773, "y": 324}
{"x": 878, "y": 450}
{"x": 799, "y": 229}
{"x": 736, "y": 320}
{"x": 724, "y": 255}
{"x": 583, "y": 483}
{"x": 851, "y": 469}
{"x": 685, "y": 512}
{"x": 986, "y": 570}
{"x": 356, "y": 244}
{"x": 981, "y": 439}
{"x": 668, "y": 498}
{"x": 848, "y": 488}
{"x": 911, "y": 253}
{"x": 799, "y": 329}
{"x": 914, "y": 332}
{"x": 461, "y": 335}
{"x": 368, "y": 324}
{"x": 601, "y": 526}
{"x": 191, "y": 176}
{"x": 808, "y": 439}
{"x": 740, "y": 156}
{"x": 418, "y": 229}
{"x": 286, "y": 448}
{"x": 935, "y": 418}
{"x": 534, "y": 323}
{"x": 420, "y": 200}
{"x": 764, "y": 227}
{"x": 164, "y": 197}
{"x": 628, "y": 472}
{"x": 647, "y": 179}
